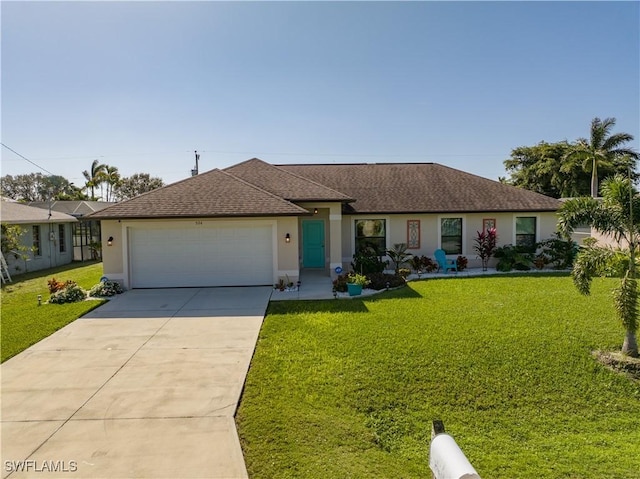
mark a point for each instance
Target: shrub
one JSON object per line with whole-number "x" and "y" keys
{"x": 423, "y": 263}
{"x": 513, "y": 257}
{"x": 55, "y": 285}
{"x": 404, "y": 272}
{"x": 399, "y": 255}
{"x": 340, "y": 283}
{"x": 540, "y": 261}
{"x": 72, "y": 293}
{"x": 558, "y": 251}
{"x": 379, "y": 281}
{"x": 461, "y": 263}
{"x": 485, "y": 245}
{"x": 106, "y": 288}
{"x": 368, "y": 261}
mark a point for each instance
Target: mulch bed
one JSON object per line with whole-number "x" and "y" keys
{"x": 618, "y": 362}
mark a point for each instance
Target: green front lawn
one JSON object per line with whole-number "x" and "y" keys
{"x": 349, "y": 388}
{"x": 24, "y": 323}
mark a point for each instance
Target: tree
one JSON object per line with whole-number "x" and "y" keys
{"x": 111, "y": 178}
{"x": 545, "y": 168}
{"x": 136, "y": 185}
{"x": 602, "y": 150}
{"x": 37, "y": 187}
{"x": 26, "y": 187}
{"x": 93, "y": 177}
{"x": 617, "y": 215}
{"x": 56, "y": 187}
{"x": 11, "y": 243}
{"x": 539, "y": 168}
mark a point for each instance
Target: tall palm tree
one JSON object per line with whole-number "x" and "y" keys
{"x": 93, "y": 177}
{"x": 616, "y": 216}
{"x": 111, "y": 178}
{"x": 602, "y": 148}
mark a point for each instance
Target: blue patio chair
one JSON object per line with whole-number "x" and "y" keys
{"x": 444, "y": 263}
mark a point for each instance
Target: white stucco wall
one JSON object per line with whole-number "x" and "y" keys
{"x": 50, "y": 255}
{"x": 546, "y": 223}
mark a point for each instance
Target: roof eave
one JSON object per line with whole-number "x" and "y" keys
{"x": 432, "y": 212}
{"x": 183, "y": 217}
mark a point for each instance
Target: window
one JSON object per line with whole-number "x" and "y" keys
{"x": 62, "y": 240}
{"x": 373, "y": 234}
{"x": 488, "y": 223}
{"x": 37, "y": 245}
{"x": 526, "y": 232}
{"x": 413, "y": 234}
{"x": 451, "y": 235}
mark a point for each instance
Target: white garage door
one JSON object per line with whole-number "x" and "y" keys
{"x": 221, "y": 255}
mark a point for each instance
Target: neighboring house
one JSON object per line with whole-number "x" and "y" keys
{"x": 255, "y": 223}
{"x": 582, "y": 232}
{"x": 86, "y": 232}
{"x": 46, "y": 235}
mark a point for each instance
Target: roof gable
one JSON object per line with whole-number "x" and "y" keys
{"x": 283, "y": 183}
{"x": 215, "y": 193}
{"x": 421, "y": 188}
{"x": 75, "y": 208}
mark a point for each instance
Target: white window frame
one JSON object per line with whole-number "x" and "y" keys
{"x": 525, "y": 215}
{"x": 464, "y": 232}
{"x": 37, "y": 252}
{"x": 62, "y": 238}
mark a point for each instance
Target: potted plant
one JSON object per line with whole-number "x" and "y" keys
{"x": 355, "y": 283}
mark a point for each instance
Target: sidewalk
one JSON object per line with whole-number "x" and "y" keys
{"x": 315, "y": 284}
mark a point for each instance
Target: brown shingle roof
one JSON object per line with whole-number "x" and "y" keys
{"x": 17, "y": 213}
{"x": 256, "y": 188}
{"x": 211, "y": 194}
{"x": 283, "y": 183}
{"x": 421, "y": 187}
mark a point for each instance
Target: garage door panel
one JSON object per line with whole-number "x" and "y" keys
{"x": 201, "y": 256}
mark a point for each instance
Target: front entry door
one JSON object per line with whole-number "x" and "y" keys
{"x": 313, "y": 244}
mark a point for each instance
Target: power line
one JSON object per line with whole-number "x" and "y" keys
{"x": 270, "y": 153}
{"x": 356, "y": 155}
{"x": 27, "y": 159}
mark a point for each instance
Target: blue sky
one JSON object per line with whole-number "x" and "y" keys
{"x": 140, "y": 85}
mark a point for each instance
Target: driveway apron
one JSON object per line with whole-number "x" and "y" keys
{"x": 145, "y": 386}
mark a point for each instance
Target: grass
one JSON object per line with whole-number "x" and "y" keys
{"x": 349, "y": 388}
{"x": 24, "y": 323}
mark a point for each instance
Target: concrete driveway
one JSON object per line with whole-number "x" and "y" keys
{"x": 144, "y": 386}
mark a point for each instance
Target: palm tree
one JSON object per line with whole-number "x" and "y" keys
{"x": 616, "y": 215}
{"x": 399, "y": 255}
{"x": 602, "y": 148}
{"x": 93, "y": 177}
{"x": 111, "y": 177}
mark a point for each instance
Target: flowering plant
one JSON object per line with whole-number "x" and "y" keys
{"x": 106, "y": 288}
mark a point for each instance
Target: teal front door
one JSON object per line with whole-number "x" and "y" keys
{"x": 313, "y": 244}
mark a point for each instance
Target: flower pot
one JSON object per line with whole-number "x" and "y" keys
{"x": 354, "y": 289}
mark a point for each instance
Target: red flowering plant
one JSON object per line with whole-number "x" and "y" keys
{"x": 485, "y": 245}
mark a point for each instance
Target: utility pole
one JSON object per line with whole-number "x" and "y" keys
{"x": 194, "y": 171}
